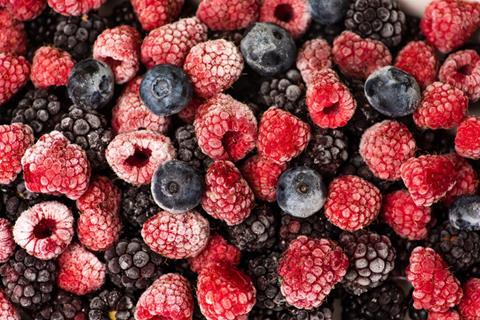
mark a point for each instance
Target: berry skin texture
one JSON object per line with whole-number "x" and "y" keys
{"x": 352, "y": 203}
{"x": 14, "y": 141}
{"x": 51, "y": 67}
{"x": 227, "y": 195}
{"x": 213, "y": 66}
{"x": 169, "y": 297}
{"x": 25, "y": 10}
{"x": 309, "y": 269}
{"x": 313, "y": 56}
{"x": 156, "y": 13}
{"x": 418, "y": 59}
{"x": 281, "y": 135}
{"x": 218, "y": 250}
{"x": 53, "y": 165}
{"x": 13, "y": 38}
{"x": 227, "y": 16}
{"x": 449, "y": 315}
{"x": 467, "y": 180}
{"x": 442, "y": 107}
{"x": 7, "y": 243}
{"x": 74, "y": 8}
{"x": 435, "y": 288}
{"x": 101, "y": 194}
{"x": 469, "y": 306}
{"x": 466, "y": 139}
{"x": 135, "y": 155}
{"x": 14, "y": 72}
{"x": 385, "y": 146}
{"x": 7, "y": 310}
{"x": 292, "y": 15}
{"x": 176, "y": 236}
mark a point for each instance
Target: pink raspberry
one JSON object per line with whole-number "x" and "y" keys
{"x": 14, "y": 141}
{"x": 98, "y": 229}
{"x": 101, "y": 194}
{"x": 449, "y": 315}
{"x": 25, "y": 10}
{"x": 466, "y": 177}
{"x": 44, "y": 230}
{"x": 313, "y": 56}
{"x": 74, "y": 7}
{"x": 7, "y": 310}
{"x": 227, "y": 15}
{"x": 213, "y": 66}
{"x": 292, "y": 15}
{"x": 218, "y": 250}
{"x": 156, "y": 13}
{"x": 469, "y": 306}
{"x": 135, "y": 155}
{"x": 7, "y": 243}
{"x": 13, "y": 38}
{"x": 14, "y": 72}
{"x": 466, "y": 140}
{"x": 419, "y": 60}
{"x": 51, "y": 67}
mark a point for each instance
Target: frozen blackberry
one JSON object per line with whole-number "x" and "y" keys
{"x": 377, "y": 19}
{"x": 137, "y": 205}
{"x": 188, "y": 150}
{"x": 111, "y": 304}
{"x": 324, "y": 312}
{"x": 90, "y": 130}
{"x": 327, "y": 32}
{"x": 65, "y": 306}
{"x": 264, "y": 314}
{"x": 132, "y": 265}
{"x": 123, "y": 14}
{"x": 40, "y": 30}
{"x": 15, "y": 198}
{"x": 28, "y": 281}
{"x": 234, "y": 36}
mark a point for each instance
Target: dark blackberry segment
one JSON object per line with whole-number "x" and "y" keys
{"x": 264, "y": 314}
{"x": 137, "y": 205}
{"x": 15, "y": 198}
{"x": 413, "y": 313}
{"x": 123, "y": 14}
{"x": 112, "y": 304}
{"x": 412, "y": 32}
{"x": 327, "y": 32}
{"x": 433, "y": 141}
{"x": 65, "y": 306}
{"x": 40, "y": 31}
{"x": 234, "y": 36}
{"x": 324, "y": 312}
{"x": 187, "y": 148}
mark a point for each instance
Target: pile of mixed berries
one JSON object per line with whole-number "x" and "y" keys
{"x": 239, "y": 160}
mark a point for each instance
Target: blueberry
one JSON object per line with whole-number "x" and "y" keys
{"x": 328, "y": 12}
{"x": 392, "y": 92}
{"x": 268, "y": 49}
{"x": 301, "y": 192}
{"x": 176, "y": 186}
{"x": 166, "y": 90}
{"x": 465, "y": 213}
{"x": 91, "y": 84}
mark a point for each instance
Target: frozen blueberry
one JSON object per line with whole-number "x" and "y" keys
{"x": 465, "y": 213}
{"x": 327, "y": 12}
{"x": 176, "y": 186}
{"x": 91, "y": 84}
{"x": 268, "y": 49}
{"x": 301, "y": 192}
{"x": 392, "y": 92}
{"x": 166, "y": 90}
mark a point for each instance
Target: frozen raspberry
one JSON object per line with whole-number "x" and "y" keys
{"x": 385, "y": 146}
{"x": 449, "y": 315}
{"x": 14, "y": 72}
{"x": 74, "y": 7}
{"x": 25, "y": 10}
{"x": 227, "y": 195}
{"x": 228, "y": 15}
{"x": 51, "y": 67}
{"x": 14, "y": 141}
{"x": 448, "y": 24}
{"x": 419, "y": 60}
{"x": 188, "y": 114}
{"x": 135, "y": 155}
{"x": 442, "y": 107}
{"x": 13, "y": 38}
{"x": 224, "y": 293}
{"x": 53, "y": 165}
{"x": 7, "y": 244}
{"x": 156, "y": 13}
{"x": 281, "y": 135}
{"x": 469, "y": 306}
{"x": 466, "y": 177}
{"x": 313, "y": 56}
{"x": 79, "y": 271}
{"x": 292, "y": 15}
{"x": 329, "y": 102}
{"x": 119, "y": 48}
{"x": 467, "y": 144}
{"x": 435, "y": 288}
{"x": 309, "y": 269}
{"x": 357, "y": 57}
{"x": 44, "y": 230}
{"x": 428, "y": 178}
{"x": 176, "y": 236}
{"x": 7, "y": 310}
{"x": 225, "y": 128}
{"x": 462, "y": 70}
{"x": 170, "y": 44}
{"x": 405, "y": 218}
{"x": 169, "y": 297}
{"x": 98, "y": 229}
{"x": 218, "y": 250}
{"x": 101, "y": 194}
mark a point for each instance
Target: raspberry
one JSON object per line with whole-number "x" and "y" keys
{"x": 169, "y": 297}
{"x": 405, "y": 218}
{"x": 213, "y": 66}
{"x": 79, "y": 271}
{"x": 418, "y": 59}
{"x": 14, "y": 72}
{"x": 25, "y": 10}
{"x": 176, "y": 236}
{"x": 281, "y": 135}
{"x": 442, "y": 107}
{"x": 449, "y": 315}
{"x": 292, "y": 15}
{"x": 119, "y": 48}
{"x": 170, "y": 44}
{"x": 14, "y": 141}
{"x": 101, "y": 194}
{"x": 76, "y": 7}
{"x": 385, "y": 146}
{"x": 135, "y": 155}
{"x": 13, "y": 38}
{"x": 7, "y": 310}
{"x": 218, "y": 250}
{"x": 225, "y": 128}
{"x": 352, "y": 203}
{"x": 156, "y": 13}
{"x": 428, "y": 178}
{"x": 466, "y": 177}
{"x": 462, "y": 70}
{"x": 466, "y": 140}
{"x": 44, "y": 230}
{"x": 224, "y": 293}
{"x": 329, "y": 102}
{"x": 435, "y": 288}
{"x": 226, "y": 15}
{"x": 97, "y": 229}
{"x": 448, "y": 24}
{"x": 6, "y": 240}
{"x": 469, "y": 306}
{"x": 227, "y": 195}
{"x": 51, "y": 67}
{"x": 313, "y": 56}
{"x": 309, "y": 269}
{"x": 357, "y": 57}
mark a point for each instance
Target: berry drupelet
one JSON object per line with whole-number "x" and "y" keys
{"x": 123, "y": 14}
{"x": 137, "y": 205}
{"x": 111, "y": 304}
{"x": 15, "y": 198}
{"x": 65, "y": 306}
{"x": 40, "y": 31}
{"x": 188, "y": 150}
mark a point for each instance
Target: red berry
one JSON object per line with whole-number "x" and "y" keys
{"x": 218, "y": 250}
{"x": 74, "y": 7}
{"x": 419, "y": 60}
{"x": 7, "y": 244}
{"x": 101, "y": 194}
{"x": 466, "y": 177}
{"x": 14, "y": 141}
{"x": 14, "y": 72}
{"x": 13, "y": 38}
{"x": 313, "y": 56}
{"x": 449, "y": 315}
{"x": 51, "y": 67}
{"x": 7, "y": 310}
{"x": 292, "y": 15}
{"x": 97, "y": 229}
{"x": 156, "y": 13}
{"x": 228, "y": 15}
{"x": 469, "y": 306}
{"x": 25, "y": 10}
{"x": 466, "y": 141}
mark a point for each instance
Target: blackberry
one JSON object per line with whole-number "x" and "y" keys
{"x": 413, "y": 32}
{"x": 327, "y": 32}
{"x": 40, "y": 30}
{"x": 65, "y": 306}
{"x": 132, "y": 265}
{"x": 264, "y": 314}
{"x": 188, "y": 150}
{"x": 90, "y": 130}
{"x": 28, "y": 281}
{"x": 111, "y": 304}
{"x": 377, "y": 19}
{"x": 15, "y": 198}
{"x": 137, "y": 205}
{"x": 433, "y": 141}
{"x": 324, "y": 312}
{"x": 234, "y": 36}
{"x": 123, "y": 14}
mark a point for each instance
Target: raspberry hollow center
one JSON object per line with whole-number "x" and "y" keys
{"x": 466, "y": 70}
{"x": 331, "y": 109}
{"x": 139, "y": 158}
{"x": 284, "y": 12}
{"x": 44, "y": 229}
